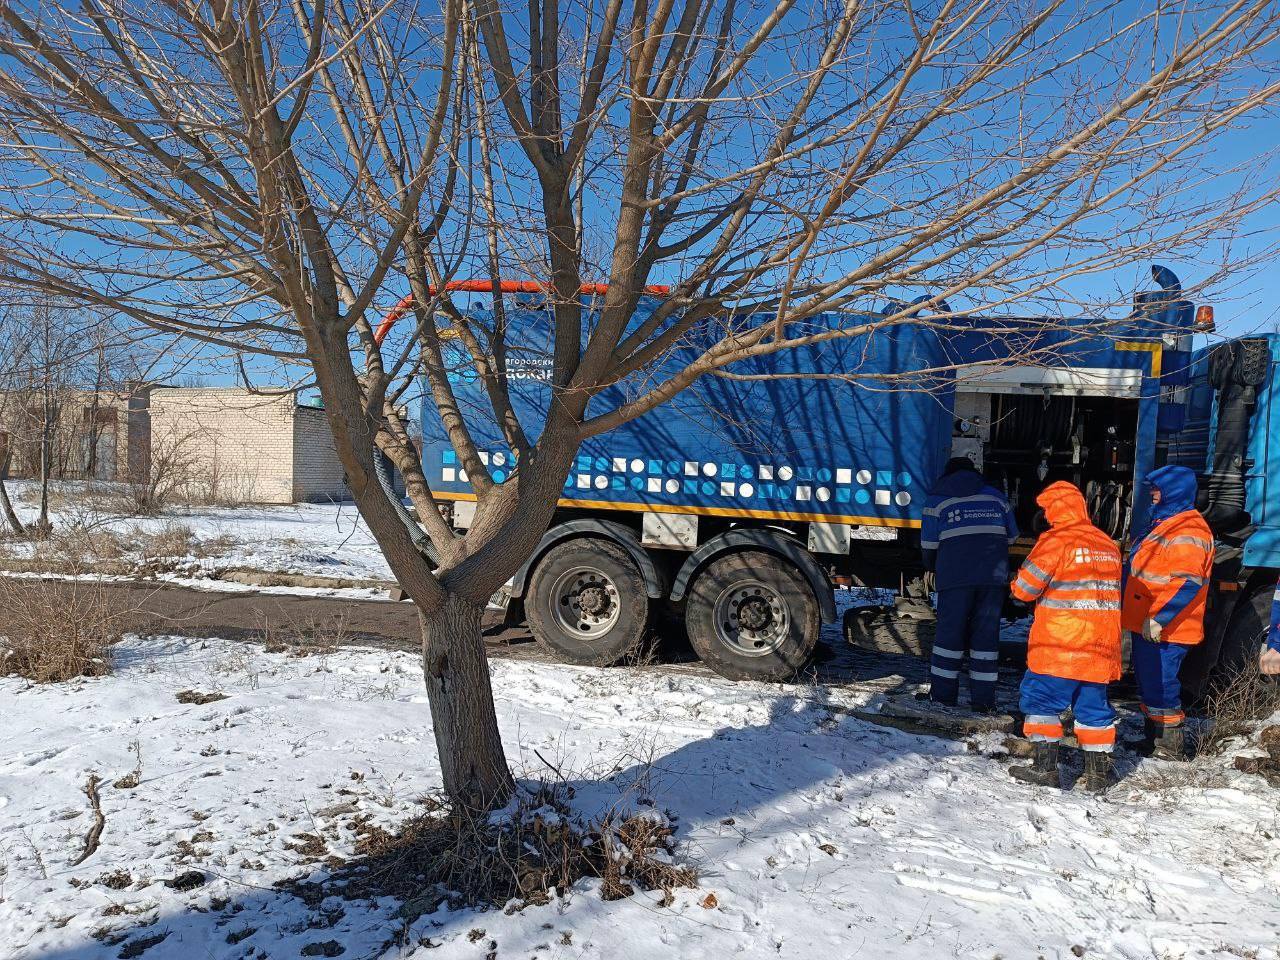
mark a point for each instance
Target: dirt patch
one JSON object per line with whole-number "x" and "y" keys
{"x": 271, "y": 578}
{"x": 136, "y": 948}
{"x": 1267, "y": 767}
{"x": 187, "y": 880}
{"x": 170, "y": 609}
{"x": 198, "y": 698}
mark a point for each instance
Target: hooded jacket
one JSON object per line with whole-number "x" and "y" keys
{"x": 967, "y": 529}
{"x": 1073, "y": 575}
{"x": 1169, "y": 568}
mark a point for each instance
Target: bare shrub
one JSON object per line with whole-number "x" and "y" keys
{"x": 1236, "y": 706}
{"x": 53, "y": 635}
{"x": 81, "y": 548}
{"x": 134, "y": 776}
{"x": 307, "y": 637}
{"x": 170, "y": 540}
{"x": 1166, "y": 780}
{"x": 166, "y": 475}
{"x": 540, "y": 848}
{"x": 219, "y": 485}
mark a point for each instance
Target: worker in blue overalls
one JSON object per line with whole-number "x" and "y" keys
{"x": 965, "y": 537}
{"x": 1269, "y": 659}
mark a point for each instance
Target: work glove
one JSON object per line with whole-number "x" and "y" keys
{"x": 1151, "y": 630}
{"x": 1269, "y": 662}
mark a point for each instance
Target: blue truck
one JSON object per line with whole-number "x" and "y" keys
{"x": 738, "y": 508}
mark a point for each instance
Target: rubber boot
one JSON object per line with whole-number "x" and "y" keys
{"x": 1150, "y": 733}
{"x": 1170, "y": 744}
{"x": 1097, "y": 771}
{"x": 1043, "y": 770}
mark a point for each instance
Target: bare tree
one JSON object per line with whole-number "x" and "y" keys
{"x": 260, "y": 175}
{"x": 12, "y": 357}
{"x": 45, "y": 361}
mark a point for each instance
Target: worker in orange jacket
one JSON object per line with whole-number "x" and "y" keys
{"x": 1164, "y": 602}
{"x": 1073, "y": 577}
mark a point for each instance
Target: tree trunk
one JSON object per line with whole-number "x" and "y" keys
{"x": 42, "y": 523}
{"x": 462, "y": 712}
{"x": 5, "y": 504}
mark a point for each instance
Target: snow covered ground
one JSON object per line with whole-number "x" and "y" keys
{"x": 326, "y": 539}
{"x": 819, "y": 835}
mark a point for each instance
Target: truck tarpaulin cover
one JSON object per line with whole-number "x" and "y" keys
{"x": 835, "y": 431}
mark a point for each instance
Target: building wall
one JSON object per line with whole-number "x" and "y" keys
{"x": 238, "y": 445}
{"x": 93, "y": 436}
{"x": 317, "y": 472}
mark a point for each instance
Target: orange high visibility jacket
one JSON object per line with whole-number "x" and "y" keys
{"x": 1073, "y": 575}
{"x": 1169, "y": 578}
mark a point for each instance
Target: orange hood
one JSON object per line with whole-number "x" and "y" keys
{"x": 1063, "y": 504}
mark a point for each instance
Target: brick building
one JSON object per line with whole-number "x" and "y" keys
{"x": 244, "y": 447}
{"x": 99, "y": 436}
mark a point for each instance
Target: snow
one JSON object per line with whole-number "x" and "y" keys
{"x": 932, "y": 851}
{"x": 310, "y": 539}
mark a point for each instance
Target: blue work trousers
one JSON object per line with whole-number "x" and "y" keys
{"x": 1044, "y": 698}
{"x": 1156, "y": 664}
{"x": 968, "y": 622}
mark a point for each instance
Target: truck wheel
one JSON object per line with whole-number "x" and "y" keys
{"x": 1246, "y": 632}
{"x": 586, "y": 602}
{"x": 752, "y": 616}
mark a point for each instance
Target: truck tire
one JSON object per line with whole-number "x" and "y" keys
{"x": 1246, "y": 632}
{"x": 586, "y": 603}
{"x": 752, "y": 616}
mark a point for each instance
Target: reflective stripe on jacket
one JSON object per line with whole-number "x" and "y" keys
{"x": 966, "y": 531}
{"x": 1073, "y": 575}
{"x": 1168, "y": 578}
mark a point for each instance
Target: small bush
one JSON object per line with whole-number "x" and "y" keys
{"x": 171, "y": 540}
{"x": 1236, "y": 706}
{"x": 509, "y": 860}
{"x": 54, "y": 633}
{"x": 80, "y": 548}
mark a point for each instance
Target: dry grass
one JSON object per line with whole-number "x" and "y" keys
{"x": 85, "y": 544}
{"x": 1170, "y": 778}
{"x": 1236, "y": 707}
{"x": 50, "y": 636}
{"x": 309, "y": 637}
{"x": 523, "y": 857}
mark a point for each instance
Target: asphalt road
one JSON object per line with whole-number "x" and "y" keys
{"x": 290, "y": 619}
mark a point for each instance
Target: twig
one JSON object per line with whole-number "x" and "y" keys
{"x": 550, "y": 766}
{"x": 99, "y": 820}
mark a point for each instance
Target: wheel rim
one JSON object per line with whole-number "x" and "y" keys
{"x": 584, "y": 603}
{"x": 751, "y": 618}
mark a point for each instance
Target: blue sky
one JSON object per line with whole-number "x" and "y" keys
{"x": 1249, "y": 301}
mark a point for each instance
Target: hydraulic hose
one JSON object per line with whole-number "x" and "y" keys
{"x": 421, "y": 542}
